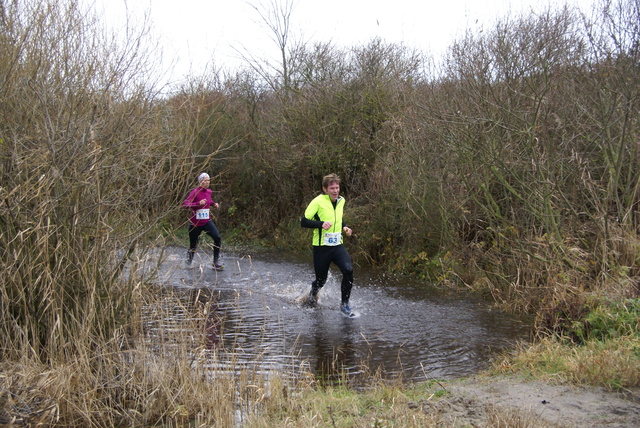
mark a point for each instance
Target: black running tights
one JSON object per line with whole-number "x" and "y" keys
{"x": 211, "y": 230}
{"x": 322, "y": 258}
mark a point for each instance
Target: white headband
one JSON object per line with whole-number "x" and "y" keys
{"x": 202, "y": 177}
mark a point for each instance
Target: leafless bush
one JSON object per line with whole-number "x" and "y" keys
{"x": 524, "y": 153}
{"x": 87, "y": 165}
{"x": 513, "y": 166}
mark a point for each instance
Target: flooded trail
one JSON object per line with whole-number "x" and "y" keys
{"x": 404, "y": 328}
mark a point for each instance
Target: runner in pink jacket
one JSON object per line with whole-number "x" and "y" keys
{"x": 199, "y": 202}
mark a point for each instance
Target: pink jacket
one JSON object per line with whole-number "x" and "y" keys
{"x": 200, "y": 213}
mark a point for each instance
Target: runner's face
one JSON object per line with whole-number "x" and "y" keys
{"x": 333, "y": 191}
{"x": 205, "y": 183}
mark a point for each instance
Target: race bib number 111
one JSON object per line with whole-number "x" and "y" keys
{"x": 202, "y": 214}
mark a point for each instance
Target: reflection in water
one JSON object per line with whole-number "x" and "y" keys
{"x": 252, "y": 316}
{"x": 206, "y": 298}
{"x": 336, "y": 356}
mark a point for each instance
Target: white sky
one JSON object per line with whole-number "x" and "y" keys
{"x": 193, "y": 32}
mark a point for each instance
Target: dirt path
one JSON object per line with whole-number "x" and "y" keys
{"x": 504, "y": 401}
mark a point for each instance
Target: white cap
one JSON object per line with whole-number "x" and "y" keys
{"x": 202, "y": 177}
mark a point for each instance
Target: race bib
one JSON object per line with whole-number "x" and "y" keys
{"x": 332, "y": 239}
{"x": 202, "y": 214}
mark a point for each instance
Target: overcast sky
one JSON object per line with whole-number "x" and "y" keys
{"x": 193, "y": 32}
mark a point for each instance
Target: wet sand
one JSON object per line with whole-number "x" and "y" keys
{"x": 471, "y": 401}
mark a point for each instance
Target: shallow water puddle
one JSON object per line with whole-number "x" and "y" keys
{"x": 255, "y": 317}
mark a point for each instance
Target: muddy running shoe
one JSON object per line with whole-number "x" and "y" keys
{"x": 346, "y": 311}
{"x": 190, "y": 254}
{"x": 217, "y": 265}
{"x": 313, "y": 300}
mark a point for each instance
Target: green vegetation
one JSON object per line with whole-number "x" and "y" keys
{"x": 602, "y": 349}
{"x": 510, "y": 166}
{"x": 383, "y": 406}
{"x": 610, "y": 321}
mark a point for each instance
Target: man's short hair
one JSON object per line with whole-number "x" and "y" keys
{"x": 328, "y": 179}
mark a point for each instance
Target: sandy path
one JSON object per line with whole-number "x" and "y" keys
{"x": 534, "y": 404}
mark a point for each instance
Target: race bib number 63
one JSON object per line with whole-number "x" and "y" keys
{"x": 332, "y": 239}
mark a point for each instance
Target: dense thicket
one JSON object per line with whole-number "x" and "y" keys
{"x": 510, "y": 166}
{"x": 88, "y": 163}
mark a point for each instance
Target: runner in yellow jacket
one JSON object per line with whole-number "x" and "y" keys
{"x": 324, "y": 216}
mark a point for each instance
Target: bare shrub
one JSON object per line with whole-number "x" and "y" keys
{"x": 87, "y": 166}
{"x": 531, "y": 189}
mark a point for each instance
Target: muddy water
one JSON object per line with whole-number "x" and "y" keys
{"x": 404, "y": 329}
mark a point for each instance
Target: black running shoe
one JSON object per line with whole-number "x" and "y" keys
{"x": 313, "y": 300}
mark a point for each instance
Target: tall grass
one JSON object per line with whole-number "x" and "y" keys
{"x": 88, "y": 166}
{"x": 171, "y": 373}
